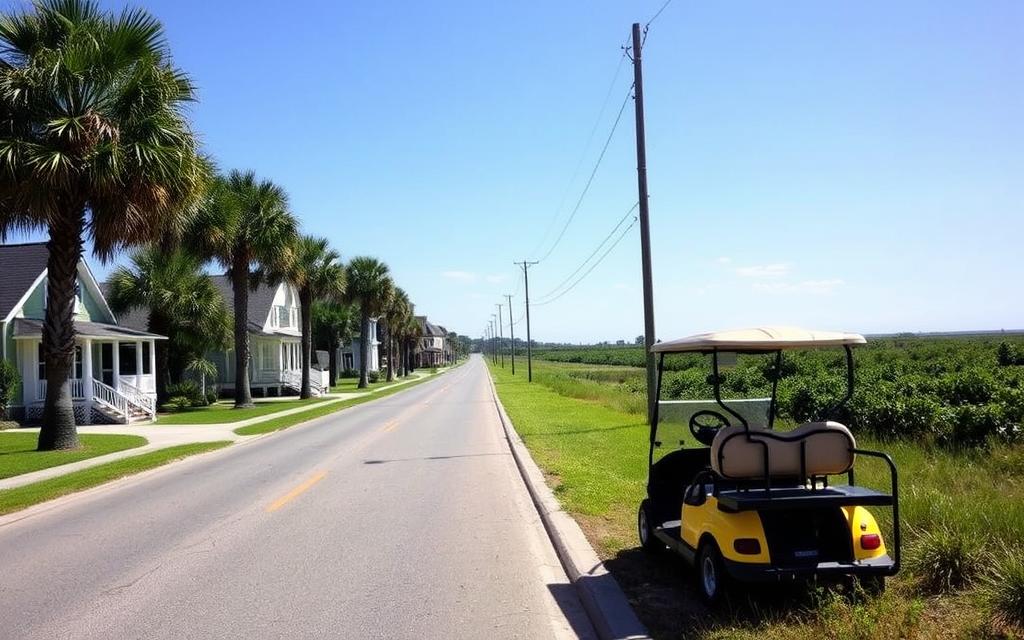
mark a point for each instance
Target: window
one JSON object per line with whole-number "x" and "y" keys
{"x": 42, "y": 362}
{"x": 146, "y": 370}
{"x": 126, "y": 357}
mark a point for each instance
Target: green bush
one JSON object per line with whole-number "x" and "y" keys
{"x": 350, "y": 373}
{"x": 373, "y": 376}
{"x": 1004, "y": 593}
{"x": 178, "y": 403}
{"x": 211, "y": 396}
{"x": 946, "y": 560}
{"x": 9, "y": 380}
{"x": 188, "y": 389}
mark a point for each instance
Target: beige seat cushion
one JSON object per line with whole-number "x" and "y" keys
{"x": 829, "y": 451}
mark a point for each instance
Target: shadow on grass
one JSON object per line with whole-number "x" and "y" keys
{"x": 635, "y": 425}
{"x": 662, "y": 589}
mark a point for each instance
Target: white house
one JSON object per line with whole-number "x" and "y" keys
{"x": 275, "y": 364}
{"x": 349, "y": 354}
{"x": 113, "y": 378}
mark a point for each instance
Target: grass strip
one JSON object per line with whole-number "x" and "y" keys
{"x": 225, "y": 412}
{"x": 276, "y": 424}
{"x": 31, "y": 494}
{"x": 18, "y": 453}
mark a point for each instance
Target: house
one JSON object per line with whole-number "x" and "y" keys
{"x": 275, "y": 363}
{"x": 112, "y": 379}
{"x": 348, "y": 355}
{"x": 433, "y": 349}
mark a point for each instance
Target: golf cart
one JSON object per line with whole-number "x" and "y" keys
{"x": 754, "y": 504}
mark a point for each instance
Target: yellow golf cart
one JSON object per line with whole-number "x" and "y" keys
{"x": 754, "y": 504}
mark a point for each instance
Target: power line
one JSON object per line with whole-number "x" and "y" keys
{"x": 590, "y": 180}
{"x": 586, "y": 148}
{"x": 655, "y": 16}
{"x": 592, "y": 267}
{"x": 592, "y": 253}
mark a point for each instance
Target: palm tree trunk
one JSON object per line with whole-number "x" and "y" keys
{"x": 364, "y": 348}
{"x": 306, "y": 310}
{"x": 240, "y": 286}
{"x": 58, "y": 429}
{"x": 159, "y": 326}
{"x": 332, "y": 346}
{"x": 391, "y": 355}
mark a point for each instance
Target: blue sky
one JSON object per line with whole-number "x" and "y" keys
{"x": 847, "y": 165}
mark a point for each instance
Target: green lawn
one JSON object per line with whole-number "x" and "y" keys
{"x": 224, "y": 412}
{"x": 284, "y": 422}
{"x": 594, "y": 455}
{"x": 18, "y": 453}
{"x": 28, "y": 495}
{"x": 351, "y": 385}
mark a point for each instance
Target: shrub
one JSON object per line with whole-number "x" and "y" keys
{"x": 350, "y": 373}
{"x": 373, "y": 376}
{"x": 187, "y": 389}
{"x": 1004, "y": 593}
{"x": 945, "y": 560}
{"x": 9, "y": 380}
{"x": 177, "y": 403}
{"x": 211, "y": 396}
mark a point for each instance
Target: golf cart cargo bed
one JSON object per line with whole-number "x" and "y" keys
{"x": 800, "y": 498}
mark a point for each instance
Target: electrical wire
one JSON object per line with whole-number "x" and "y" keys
{"x": 655, "y": 16}
{"x": 583, "y": 155}
{"x": 592, "y": 267}
{"x": 590, "y": 180}
{"x": 592, "y": 253}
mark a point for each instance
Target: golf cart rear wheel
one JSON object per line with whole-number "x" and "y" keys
{"x": 711, "y": 575}
{"x": 645, "y": 528}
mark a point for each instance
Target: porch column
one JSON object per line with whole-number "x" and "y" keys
{"x": 117, "y": 364}
{"x": 87, "y": 377}
{"x": 138, "y": 365}
{"x": 152, "y": 361}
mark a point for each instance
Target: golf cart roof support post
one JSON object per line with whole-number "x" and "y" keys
{"x": 773, "y": 405}
{"x": 656, "y": 409}
{"x": 718, "y": 392}
{"x": 849, "y": 385}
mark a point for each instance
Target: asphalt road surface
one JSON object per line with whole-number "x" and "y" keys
{"x": 400, "y": 518}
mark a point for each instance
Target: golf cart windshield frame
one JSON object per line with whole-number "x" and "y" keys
{"x": 716, "y": 387}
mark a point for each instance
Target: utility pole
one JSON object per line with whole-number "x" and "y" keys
{"x": 512, "y": 332}
{"x": 529, "y": 342}
{"x": 494, "y": 339}
{"x": 645, "y": 228}
{"x": 501, "y": 336}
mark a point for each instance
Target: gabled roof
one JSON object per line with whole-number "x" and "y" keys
{"x": 429, "y": 329}
{"x": 260, "y": 300}
{"x": 20, "y": 266}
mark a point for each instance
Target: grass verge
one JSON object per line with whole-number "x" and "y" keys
{"x": 225, "y": 412}
{"x": 276, "y": 424}
{"x": 30, "y": 494}
{"x": 18, "y": 453}
{"x": 594, "y": 455}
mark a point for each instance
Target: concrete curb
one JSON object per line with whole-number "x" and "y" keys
{"x": 602, "y": 597}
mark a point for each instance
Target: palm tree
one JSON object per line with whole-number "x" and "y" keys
{"x": 333, "y": 325}
{"x": 245, "y": 226}
{"x": 317, "y": 274}
{"x": 370, "y": 287}
{"x": 94, "y": 144}
{"x": 397, "y": 311}
{"x": 182, "y": 302}
{"x": 203, "y": 368}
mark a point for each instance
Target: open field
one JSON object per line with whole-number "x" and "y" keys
{"x": 961, "y": 508}
{"x": 18, "y": 453}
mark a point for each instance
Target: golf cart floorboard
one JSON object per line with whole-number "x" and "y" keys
{"x": 800, "y": 498}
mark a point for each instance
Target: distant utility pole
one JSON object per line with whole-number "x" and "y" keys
{"x": 494, "y": 338}
{"x": 501, "y": 336}
{"x": 529, "y": 341}
{"x": 645, "y": 228}
{"x": 512, "y": 332}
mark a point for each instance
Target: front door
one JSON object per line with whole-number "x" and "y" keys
{"x": 107, "y": 363}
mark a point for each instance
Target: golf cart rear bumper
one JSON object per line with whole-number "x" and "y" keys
{"x": 750, "y": 572}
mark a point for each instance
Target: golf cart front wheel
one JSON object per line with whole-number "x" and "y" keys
{"x": 645, "y": 529}
{"x": 711, "y": 575}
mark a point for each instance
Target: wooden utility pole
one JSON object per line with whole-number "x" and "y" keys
{"x": 529, "y": 342}
{"x": 501, "y": 337}
{"x": 645, "y": 229}
{"x": 512, "y": 332}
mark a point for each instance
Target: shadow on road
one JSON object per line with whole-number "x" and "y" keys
{"x": 464, "y": 455}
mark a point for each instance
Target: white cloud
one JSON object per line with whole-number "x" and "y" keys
{"x": 724, "y": 260}
{"x": 460, "y": 276}
{"x": 763, "y": 271}
{"x": 806, "y": 287}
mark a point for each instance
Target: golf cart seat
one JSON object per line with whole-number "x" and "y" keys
{"x": 812, "y": 449}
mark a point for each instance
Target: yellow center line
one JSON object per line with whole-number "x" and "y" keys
{"x": 294, "y": 493}
{"x": 390, "y": 426}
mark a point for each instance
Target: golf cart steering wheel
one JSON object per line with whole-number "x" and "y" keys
{"x": 705, "y": 433}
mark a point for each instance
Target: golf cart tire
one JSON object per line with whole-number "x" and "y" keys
{"x": 645, "y": 530}
{"x": 709, "y": 561}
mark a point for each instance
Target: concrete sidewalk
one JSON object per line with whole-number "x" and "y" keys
{"x": 163, "y": 436}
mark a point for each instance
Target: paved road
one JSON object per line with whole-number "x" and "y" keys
{"x": 400, "y": 518}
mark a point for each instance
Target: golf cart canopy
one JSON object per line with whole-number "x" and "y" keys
{"x": 758, "y": 340}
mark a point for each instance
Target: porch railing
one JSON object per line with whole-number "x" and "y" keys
{"x": 77, "y": 389}
{"x": 138, "y": 397}
{"x": 292, "y": 378}
{"x": 109, "y": 396}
